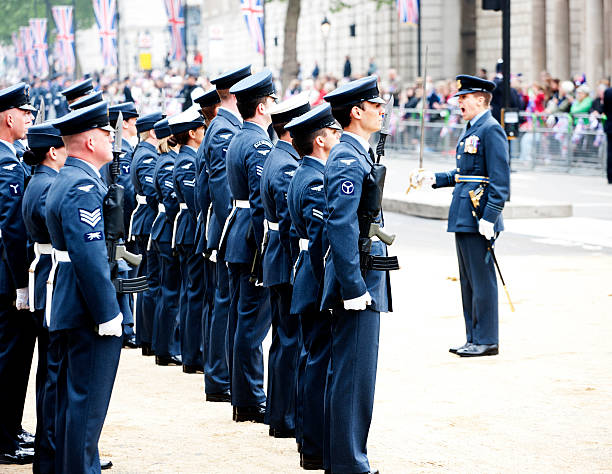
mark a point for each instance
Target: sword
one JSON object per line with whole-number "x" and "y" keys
{"x": 422, "y": 138}
{"x": 40, "y": 116}
{"x": 385, "y": 130}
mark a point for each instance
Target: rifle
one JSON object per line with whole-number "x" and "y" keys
{"x": 114, "y": 226}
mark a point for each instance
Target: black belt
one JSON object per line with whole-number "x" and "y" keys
{"x": 131, "y": 285}
{"x": 378, "y": 263}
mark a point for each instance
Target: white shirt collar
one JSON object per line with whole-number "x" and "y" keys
{"x": 475, "y": 119}
{"x": 362, "y": 141}
{"x": 232, "y": 112}
{"x": 11, "y": 146}
{"x": 96, "y": 170}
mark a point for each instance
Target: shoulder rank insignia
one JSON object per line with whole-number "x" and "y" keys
{"x": 318, "y": 188}
{"x": 149, "y": 179}
{"x": 318, "y": 214}
{"x": 263, "y": 152}
{"x": 85, "y": 188}
{"x": 148, "y": 160}
{"x": 92, "y": 236}
{"x": 187, "y": 166}
{"x": 258, "y": 170}
{"x": 189, "y": 182}
{"x": 10, "y": 167}
{"x": 225, "y": 136}
{"x": 90, "y": 218}
{"x": 347, "y": 162}
{"x": 290, "y": 173}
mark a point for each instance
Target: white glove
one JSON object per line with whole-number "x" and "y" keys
{"x": 486, "y": 228}
{"x": 112, "y": 327}
{"x": 359, "y": 303}
{"x": 22, "y": 298}
{"x": 426, "y": 178}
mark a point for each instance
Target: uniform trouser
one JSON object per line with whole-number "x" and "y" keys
{"x": 88, "y": 365}
{"x": 299, "y": 398}
{"x": 282, "y": 360}
{"x": 17, "y": 338}
{"x": 192, "y": 269}
{"x": 252, "y": 322}
{"x": 349, "y": 395}
{"x": 609, "y": 167}
{"x": 128, "y": 330}
{"x": 44, "y": 460}
{"x": 316, "y": 334}
{"x": 478, "y": 288}
{"x": 147, "y": 300}
{"x": 216, "y": 378}
{"x": 165, "y": 333}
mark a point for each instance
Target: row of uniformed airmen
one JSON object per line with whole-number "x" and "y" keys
{"x": 238, "y": 235}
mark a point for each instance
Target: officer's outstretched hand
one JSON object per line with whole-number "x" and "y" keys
{"x": 22, "y": 298}
{"x": 487, "y": 229}
{"x": 359, "y": 303}
{"x": 425, "y": 178}
{"x": 112, "y": 327}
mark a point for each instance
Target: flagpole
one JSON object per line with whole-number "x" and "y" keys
{"x": 263, "y": 3}
{"x": 118, "y": 44}
{"x": 186, "y": 38}
{"x": 419, "y": 40}
{"x": 77, "y": 69}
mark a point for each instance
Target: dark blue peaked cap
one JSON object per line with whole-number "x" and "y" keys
{"x": 190, "y": 119}
{"x": 316, "y": 119}
{"x": 162, "y": 129}
{"x": 77, "y": 90}
{"x": 127, "y": 109}
{"x": 468, "y": 84}
{"x": 208, "y": 98}
{"x": 44, "y": 136}
{"x": 89, "y": 99}
{"x": 354, "y": 92}
{"x": 254, "y": 86}
{"x": 81, "y": 120}
{"x": 231, "y": 77}
{"x": 16, "y": 97}
{"x": 147, "y": 122}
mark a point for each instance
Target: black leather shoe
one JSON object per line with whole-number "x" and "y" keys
{"x": 277, "y": 433}
{"x": 478, "y": 350}
{"x": 105, "y": 464}
{"x": 130, "y": 342}
{"x": 193, "y": 369}
{"x": 311, "y": 463}
{"x": 25, "y": 439}
{"x": 253, "y": 413}
{"x": 453, "y": 350}
{"x": 146, "y": 349}
{"x": 168, "y": 360}
{"x": 299, "y": 447}
{"x": 224, "y": 396}
{"x": 19, "y": 456}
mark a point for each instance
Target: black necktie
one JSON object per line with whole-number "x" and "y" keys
{"x": 468, "y": 126}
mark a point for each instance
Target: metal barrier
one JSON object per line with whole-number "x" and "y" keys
{"x": 553, "y": 142}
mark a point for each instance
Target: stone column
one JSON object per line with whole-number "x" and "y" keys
{"x": 451, "y": 45}
{"x": 594, "y": 47}
{"x": 560, "y": 55}
{"x": 538, "y": 38}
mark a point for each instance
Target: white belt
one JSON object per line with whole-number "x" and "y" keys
{"x": 304, "y": 244}
{"x": 268, "y": 226}
{"x": 272, "y": 225}
{"x": 57, "y": 256}
{"x": 242, "y": 204}
{"x": 182, "y": 207}
{"x": 39, "y": 249}
{"x": 140, "y": 200}
{"x": 161, "y": 209}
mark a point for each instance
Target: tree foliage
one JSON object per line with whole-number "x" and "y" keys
{"x": 16, "y": 13}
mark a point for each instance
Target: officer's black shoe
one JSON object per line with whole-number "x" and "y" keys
{"x": 25, "y": 439}
{"x": 282, "y": 433}
{"x": 18, "y": 456}
{"x": 168, "y": 360}
{"x": 130, "y": 343}
{"x": 299, "y": 447}
{"x": 453, "y": 350}
{"x": 253, "y": 413}
{"x": 224, "y": 396}
{"x": 146, "y": 349}
{"x": 478, "y": 350}
{"x": 105, "y": 464}
{"x": 311, "y": 463}
{"x": 193, "y": 369}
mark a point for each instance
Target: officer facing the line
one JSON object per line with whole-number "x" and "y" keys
{"x": 17, "y": 330}
{"x": 314, "y": 135}
{"x": 249, "y": 308}
{"x": 482, "y": 167}
{"x": 279, "y": 167}
{"x": 355, "y": 292}
{"x": 83, "y": 308}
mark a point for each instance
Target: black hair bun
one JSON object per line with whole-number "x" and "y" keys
{"x": 32, "y": 158}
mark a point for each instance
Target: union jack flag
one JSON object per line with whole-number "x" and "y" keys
{"x": 176, "y": 26}
{"x": 28, "y": 47}
{"x": 408, "y": 11}
{"x": 107, "y": 28}
{"x": 64, "y": 41}
{"x": 39, "y": 33}
{"x": 253, "y": 12}
{"x": 21, "y": 63}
